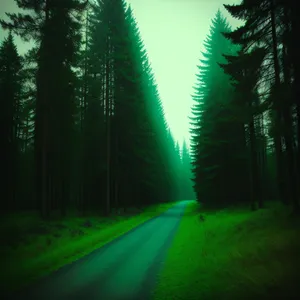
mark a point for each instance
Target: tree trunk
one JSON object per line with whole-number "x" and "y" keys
{"x": 278, "y": 117}
{"x": 107, "y": 114}
{"x": 294, "y": 51}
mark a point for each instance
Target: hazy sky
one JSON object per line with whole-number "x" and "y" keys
{"x": 173, "y": 32}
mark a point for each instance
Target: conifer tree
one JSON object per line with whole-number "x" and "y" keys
{"x": 187, "y": 191}
{"x": 267, "y": 24}
{"x": 244, "y": 70}
{"x": 161, "y": 167}
{"x": 10, "y": 116}
{"x": 132, "y": 113}
{"x": 92, "y": 133}
{"x": 55, "y": 27}
{"x": 216, "y": 136}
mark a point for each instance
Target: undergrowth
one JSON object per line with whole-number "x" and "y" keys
{"x": 233, "y": 254}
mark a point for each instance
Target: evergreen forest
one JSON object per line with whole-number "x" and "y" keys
{"x": 244, "y": 122}
{"x": 83, "y": 125}
{"x": 88, "y": 155}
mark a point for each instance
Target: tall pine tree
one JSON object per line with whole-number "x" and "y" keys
{"x": 10, "y": 116}
{"x": 218, "y": 141}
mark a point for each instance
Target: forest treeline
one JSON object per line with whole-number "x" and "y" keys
{"x": 83, "y": 127}
{"x": 245, "y": 121}
{"x": 82, "y": 123}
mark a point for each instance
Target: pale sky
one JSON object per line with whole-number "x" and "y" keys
{"x": 173, "y": 32}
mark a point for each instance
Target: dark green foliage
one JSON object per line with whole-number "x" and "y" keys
{"x": 10, "y": 118}
{"x": 270, "y": 25}
{"x": 218, "y": 138}
{"x": 245, "y": 72}
{"x": 91, "y": 132}
{"x": 245, "y": 121}
{"x": 186, "y": 183}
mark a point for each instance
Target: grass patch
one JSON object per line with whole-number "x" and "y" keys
{"x": 32, "y": 248}
{"x": 233, "y": 254}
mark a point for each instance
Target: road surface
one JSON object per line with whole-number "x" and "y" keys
{"x": 124, "y": 269}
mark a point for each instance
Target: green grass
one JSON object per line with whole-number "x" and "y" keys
{"x": 34, "y": 248}
{"x": 232, "y": 254}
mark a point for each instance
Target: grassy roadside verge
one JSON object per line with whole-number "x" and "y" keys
{"x": 232, "y": 254}
{"x": 34, "y": 248}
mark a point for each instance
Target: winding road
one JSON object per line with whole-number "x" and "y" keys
{"x": 124, "y": 269}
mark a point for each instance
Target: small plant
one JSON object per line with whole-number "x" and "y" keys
{"x": 201, "y": 218}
